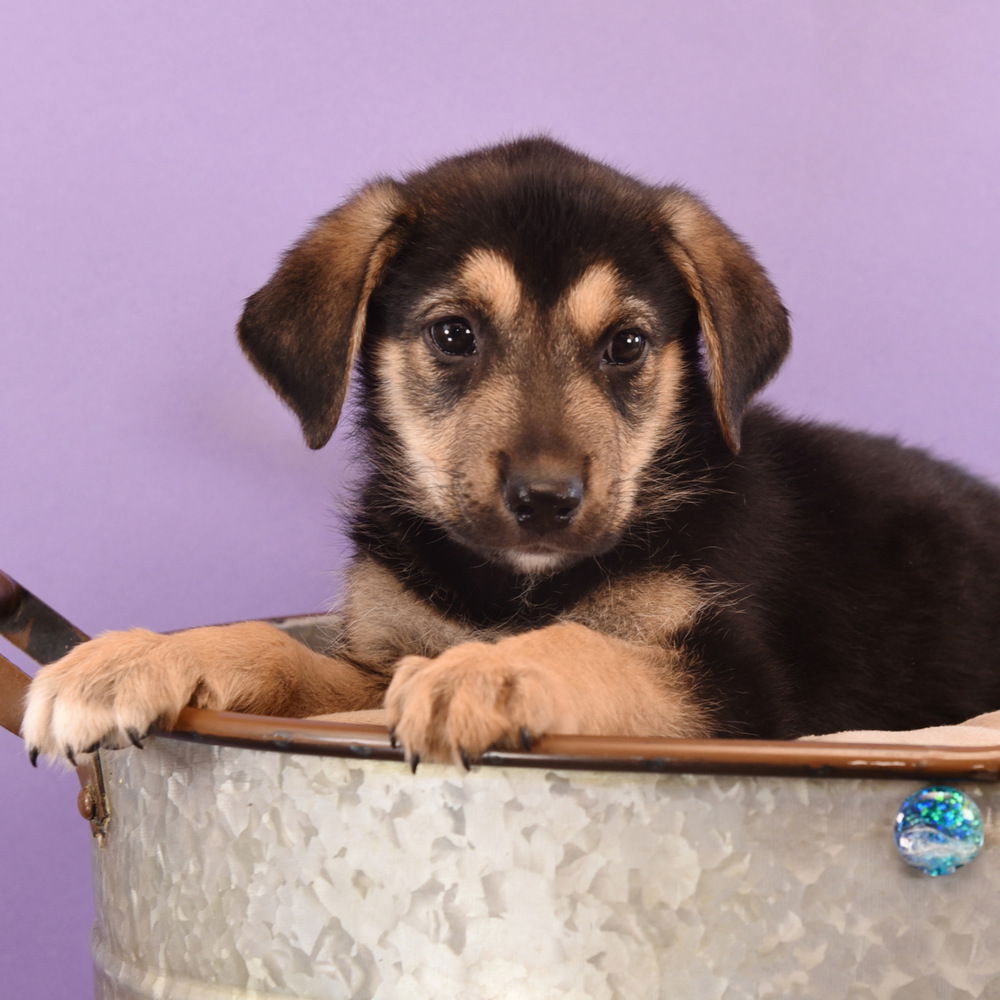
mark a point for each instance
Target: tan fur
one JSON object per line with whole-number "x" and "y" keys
{"x": 649, "y": 608}
{"x": 695, "y": 227}
{"x": 562, "y": 679}
{"x": 341, "y": 243}
{"x": 590, "y": 306}
{"x": 714, "y": 263}
{"x": 488, "y": 277}
{"x": 425, "y": 449}
{"x": 124, "y": 681}
{"x": 658, "y": 428}
{"x": 359, "y": 236}
{"x": 593, "y": 301}
{"x": 382, "y": 621}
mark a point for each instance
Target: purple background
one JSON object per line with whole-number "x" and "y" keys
{"x": 158, "y": 157}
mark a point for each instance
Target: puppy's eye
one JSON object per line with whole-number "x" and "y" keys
{"x": 453, "y": 336}
{"x": 626, "y": 347}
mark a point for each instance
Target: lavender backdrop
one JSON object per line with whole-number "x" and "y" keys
{"x": 157, "y": 158}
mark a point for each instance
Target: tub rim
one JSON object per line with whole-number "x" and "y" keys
{"x": 793, "y": 758}
{"x": 45, "y": 635}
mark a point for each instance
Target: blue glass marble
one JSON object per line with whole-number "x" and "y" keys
{"x": 938, "y": 830}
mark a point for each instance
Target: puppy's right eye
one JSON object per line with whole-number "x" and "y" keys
{"x": 452, "y": 336}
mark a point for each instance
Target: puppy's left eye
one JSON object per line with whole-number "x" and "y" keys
{"x": 453, "y": 336}
{"x": 626, "y": 347}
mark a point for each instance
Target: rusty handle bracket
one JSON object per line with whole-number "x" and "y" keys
{"x": 93, "y": 798}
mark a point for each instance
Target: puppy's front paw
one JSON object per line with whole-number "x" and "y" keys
{"x": 106, "y": 692}
{"x": 470, "y": 698}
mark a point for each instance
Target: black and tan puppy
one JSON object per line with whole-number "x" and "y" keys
{"x": 571, "y": 521}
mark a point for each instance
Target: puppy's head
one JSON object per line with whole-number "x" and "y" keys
{"x": 521, "y": 314}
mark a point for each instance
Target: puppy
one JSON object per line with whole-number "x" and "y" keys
{"x": 571, "y": 520}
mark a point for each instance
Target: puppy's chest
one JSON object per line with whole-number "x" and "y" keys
{"x": 382, "y": 620}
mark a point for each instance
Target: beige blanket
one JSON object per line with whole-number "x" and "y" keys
{"x": 983, "y": 730}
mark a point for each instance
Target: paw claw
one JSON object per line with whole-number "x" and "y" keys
{"x": 527, "y": 740}
{"x": 70, "y": 755}
{"x": 134, "y": 737}
{"x": 466, "y": 762}
{"x": 414, "y": 763}
{"x": 33, "y": 756}
{"x": 393, "y": 739}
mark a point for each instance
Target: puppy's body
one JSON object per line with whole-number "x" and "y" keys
{"x": 822, "y": 580}
{"x": 571, "y": 522}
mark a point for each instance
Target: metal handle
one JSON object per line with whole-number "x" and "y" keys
{"x": 34, "y": 627}
{"x": 13, "y": 686}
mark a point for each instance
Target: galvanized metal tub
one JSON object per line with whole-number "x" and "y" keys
{"x": 232, "y": 871}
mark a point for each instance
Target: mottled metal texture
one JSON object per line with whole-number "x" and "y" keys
{"x": 238, "y": 873}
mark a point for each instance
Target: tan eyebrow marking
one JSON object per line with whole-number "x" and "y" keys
{"x": 594, "y": 300}
{"x": 489, "y": 277}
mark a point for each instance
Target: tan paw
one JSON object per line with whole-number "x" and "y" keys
{"x": 107, "y": 692}
{"x": 469, "y": 699}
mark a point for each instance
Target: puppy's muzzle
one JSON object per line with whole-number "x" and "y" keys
{"x": 542, "y": 504}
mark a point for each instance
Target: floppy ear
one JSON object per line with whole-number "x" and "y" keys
{"x": 303, "y": 328}
{"x": 743, "y": 322}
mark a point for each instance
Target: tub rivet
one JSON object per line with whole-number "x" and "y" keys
{"x": 86, "y": 803}
{"x": 92, "y": 799}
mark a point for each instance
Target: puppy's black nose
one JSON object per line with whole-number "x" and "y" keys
{"x": 543, "y": 504}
